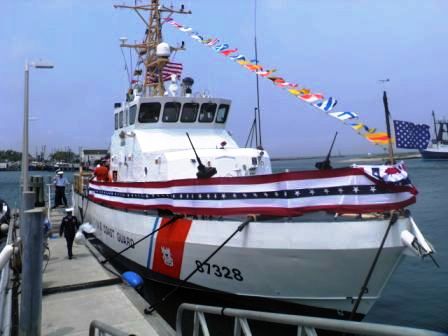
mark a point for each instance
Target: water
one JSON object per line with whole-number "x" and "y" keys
{"x": 417, "y": 293}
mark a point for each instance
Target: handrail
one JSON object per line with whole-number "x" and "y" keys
{"x": 69, "y": 193}
{"x": 306, "y": 325}
{"x": 105, "y": 329}
{"x": 49, "y": 201}
{"x": 5, "y": 293}
{"x": 5, "y": 255}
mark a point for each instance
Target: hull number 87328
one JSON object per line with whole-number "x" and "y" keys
{"x": 219, "y": 271}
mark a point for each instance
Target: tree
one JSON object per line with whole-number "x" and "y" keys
{"x": 10, "y": 155}
{"x": 66, "y": 156}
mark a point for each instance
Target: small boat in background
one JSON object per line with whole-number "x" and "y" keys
{"x": 438, "y": 150}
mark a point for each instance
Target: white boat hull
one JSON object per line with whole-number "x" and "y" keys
{"x": 319, "y": 264}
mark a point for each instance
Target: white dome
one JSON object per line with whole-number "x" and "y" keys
{"x": 163, "y": 50}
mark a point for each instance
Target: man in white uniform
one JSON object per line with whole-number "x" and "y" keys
{"x": 60, "y": 182}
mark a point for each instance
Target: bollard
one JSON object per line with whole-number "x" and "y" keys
{"x": 31, "y": 297}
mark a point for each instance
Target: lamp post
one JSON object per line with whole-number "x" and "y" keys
{"x": 26, "y": 116}
{"x": 31, "y": 232}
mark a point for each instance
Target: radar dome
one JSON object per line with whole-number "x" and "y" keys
{"x": 163, "y": 50}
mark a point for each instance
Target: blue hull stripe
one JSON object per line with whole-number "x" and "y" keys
{"x": 148, "y": 263}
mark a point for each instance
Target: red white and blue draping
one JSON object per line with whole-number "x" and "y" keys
{"x": 345, "y": 190}
{"x": 317, "y": 100}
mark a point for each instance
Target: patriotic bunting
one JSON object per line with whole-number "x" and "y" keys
{"x": 316, "y": 100}
{"x": 344, "y": 190}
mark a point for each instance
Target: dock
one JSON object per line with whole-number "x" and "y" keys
{"x": 80, "y": 290}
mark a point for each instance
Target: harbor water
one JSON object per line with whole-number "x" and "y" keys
{"x": 417, "y": 293}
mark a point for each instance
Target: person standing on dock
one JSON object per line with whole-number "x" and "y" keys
{"x": 69, "y": 226}
{"x": 60, "y": 182}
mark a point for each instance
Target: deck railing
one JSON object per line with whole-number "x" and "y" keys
{"x": 306, "y": 325}
{"x": 5, "y": 290}
{"x": 105, "y": 329}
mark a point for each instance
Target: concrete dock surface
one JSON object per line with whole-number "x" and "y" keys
{"x": 80, "y": 290}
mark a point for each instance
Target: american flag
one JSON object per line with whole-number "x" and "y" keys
{"x": 410, "y": 135}
{"x": 169, "y": 69}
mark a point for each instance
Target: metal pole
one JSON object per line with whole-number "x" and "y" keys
{"x": 31, "y": 297}
{"x": 435, "y": 128}
{"x": 258, "y": 138}
{"x": 386, "y": 110}
{"x": 25, "y": 129}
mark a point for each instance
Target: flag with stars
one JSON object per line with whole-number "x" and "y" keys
{"x": 410, "y": 135}
{"x": 343, "y": 190}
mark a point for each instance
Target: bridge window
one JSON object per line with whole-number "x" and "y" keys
{"x": 120, "y": 119}
{"x": 189, "y": 112}
{"x": 207, "y": 113}
{"x": 132, "y": 114}
{"x": 149, "y": 112}
{"x": 116, "y": 121}
{"x": 171, "y": 112}
{"x": 223, "y": 111}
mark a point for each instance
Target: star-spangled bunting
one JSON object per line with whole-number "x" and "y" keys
{"x": 411, "y": 136}
{"x": 285, "y": 194}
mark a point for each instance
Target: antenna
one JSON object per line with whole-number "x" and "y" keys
{"x": 258, "y": 140}
{"x": 203, "y": 171}
{"x": 152, "y": 52}
{"x": 123, "y": 41}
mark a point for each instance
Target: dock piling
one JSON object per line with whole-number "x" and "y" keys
{"x": 31, "y": 297}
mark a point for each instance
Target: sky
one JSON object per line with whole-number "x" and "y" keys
{"x": 341, "y": 48}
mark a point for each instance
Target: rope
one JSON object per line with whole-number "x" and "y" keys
{"x": 240, "y": 228}
{"x": 364, "y": 289}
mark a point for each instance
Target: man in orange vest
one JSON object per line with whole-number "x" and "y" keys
{"x": 101, "y": 172}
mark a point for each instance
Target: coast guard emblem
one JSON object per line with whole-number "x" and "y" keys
{"x": 166, "y": 255}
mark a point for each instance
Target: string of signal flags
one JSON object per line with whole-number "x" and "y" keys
{"x": 316, "y": 100}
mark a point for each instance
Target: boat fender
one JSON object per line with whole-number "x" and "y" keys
{"x": 411, "y": 243}
{"x": 87, "y": 228}
{"x": 423, "y": 242}
{"x": 132, "y": 279}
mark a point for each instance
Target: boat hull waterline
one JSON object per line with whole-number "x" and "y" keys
{"x": 435, "y": 153}
{"x": 320, "y": 264}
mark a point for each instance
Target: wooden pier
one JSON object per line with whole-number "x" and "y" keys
{"x": 80, "y": 290}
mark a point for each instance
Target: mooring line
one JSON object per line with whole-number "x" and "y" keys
{"x": 392, "y": 221}
{"x": 240, "y": 228}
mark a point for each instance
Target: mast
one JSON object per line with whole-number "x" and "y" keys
{"x": 258, "y": 139}
{"x": 149, "y": 58}
{"x": 387, "y": 112}
{"x": 435, "y": 124}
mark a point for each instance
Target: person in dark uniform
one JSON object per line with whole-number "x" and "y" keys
{"x": 69, "y": 226}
